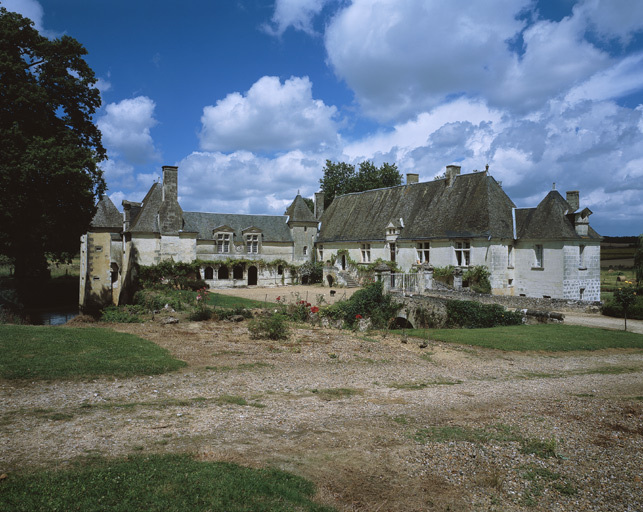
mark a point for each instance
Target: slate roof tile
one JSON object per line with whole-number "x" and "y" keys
{"x": 107, "y": 215}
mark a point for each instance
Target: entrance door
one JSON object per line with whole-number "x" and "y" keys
{"x": 343, "y": 262}
{"x": 252, "y": 276}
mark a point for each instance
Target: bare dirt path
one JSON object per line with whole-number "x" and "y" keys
{"x": 376, "y": 423}
{"x": 313, "y": 294}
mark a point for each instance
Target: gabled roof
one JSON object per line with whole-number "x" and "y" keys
{"x": 549, "y": 220}
{"x": 107, "y": 215}
{"x": 273, "y": 227}
{"x": 474, "y": 206}
{"x": 299, "y": 211}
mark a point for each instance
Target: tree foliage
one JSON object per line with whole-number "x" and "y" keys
{"x": 50, "y": 146}
{"x": 342, "y": 178}
{"x": 638, "y": 262}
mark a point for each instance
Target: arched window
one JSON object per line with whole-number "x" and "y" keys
{"x": 114, "y": 268}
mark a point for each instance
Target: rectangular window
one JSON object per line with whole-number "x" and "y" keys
{"x": 223, "y": 243}
{"x": 581, "y": 256}
{"x": 510, "y": 256}
{"x": 423, "y": 250}
{"x": 392, "y": 247}
{"x": 463, "y": 253}
{"x": 321, "y": 253}
{"x": 538, "y": 256}
{"x": 252, "y": 244}
{"x": 305, "y": 250}
{"x": 366, "y": 253}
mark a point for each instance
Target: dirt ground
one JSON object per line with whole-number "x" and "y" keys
{"x": 377, "y": 422}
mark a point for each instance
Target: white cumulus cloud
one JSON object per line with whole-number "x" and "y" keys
{"x": 619, "y": 19}
{"x": 271, "y": 116}
{"x": 298, "y": 14}
{"x": 126, "y": 129}
{"x": 403, "y": 57}
{"x": 243, "y": 182}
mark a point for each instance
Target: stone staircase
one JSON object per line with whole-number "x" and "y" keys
{"x": 348, "y": 279}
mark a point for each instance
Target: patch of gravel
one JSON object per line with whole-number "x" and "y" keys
{"x": 357, "y": 414}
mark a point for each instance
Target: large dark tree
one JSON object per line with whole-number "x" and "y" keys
{"x": 341, "y": 178}
{"x": 638, "y": 262}
{"x": 49, "y": 145}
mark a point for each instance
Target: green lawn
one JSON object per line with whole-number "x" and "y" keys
{"x": 230, "y": 302}
{"x": 164, "y": 483}
{"x": 548, "y": 338}
{"x": 45, "y": 352}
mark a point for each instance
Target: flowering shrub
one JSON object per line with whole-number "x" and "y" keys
{"x": 201, "y": 309}
{"x": 371, "y": 298}
{"x": 299, "y": 311}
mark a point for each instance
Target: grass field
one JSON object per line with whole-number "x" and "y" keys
{"x": 230, "y": 302}
{"x": 162, "y": 483}
{"x": 42, "y": 352}
{"x": 546, "y": 338}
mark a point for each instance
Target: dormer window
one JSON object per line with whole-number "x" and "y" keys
{"x": 252, "y": 244}
{"x": 252, "y": 239}
{"x": 223, "y": 243}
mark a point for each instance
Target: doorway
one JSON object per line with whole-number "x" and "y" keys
{"x": 252, "y": 276}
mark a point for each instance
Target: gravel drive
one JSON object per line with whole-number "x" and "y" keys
{"x": 376, "y": 423}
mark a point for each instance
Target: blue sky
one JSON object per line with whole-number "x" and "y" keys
{"x": 249, "y": 98}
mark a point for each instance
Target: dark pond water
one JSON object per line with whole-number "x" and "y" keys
{"x": 51, "y": 316}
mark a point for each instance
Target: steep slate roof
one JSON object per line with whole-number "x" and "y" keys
{"x": 107, "y": 215}
{"x": 147, "y": 219}
{"x": 299, "y": 211}
{"x": 474, "y": 206}
{"x": 548, "y": 221}
{"x": 273, "y": 227}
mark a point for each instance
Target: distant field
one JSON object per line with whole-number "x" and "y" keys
{"x": 617, "y": 255}
{"x": 56, "y": 269}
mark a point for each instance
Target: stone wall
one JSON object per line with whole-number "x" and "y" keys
{"x": 514, "y": 302}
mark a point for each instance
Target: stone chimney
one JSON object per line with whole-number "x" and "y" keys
{"x": 573, "y": 198}
{"x": 170, "y": 213}
{"x": 319, "y": 204}
{"x": 127, "y": 214}
{"x": 412, "y": 178}
{"x": 452, "y": 172}
{"x": 170, "y": 183}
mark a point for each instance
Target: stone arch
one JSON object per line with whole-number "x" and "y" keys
{"x": 223, "y": 272}
{"x": 208, "y": 273}
{"x": 237, "y": 271}
{"x": 402, "y": 323}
